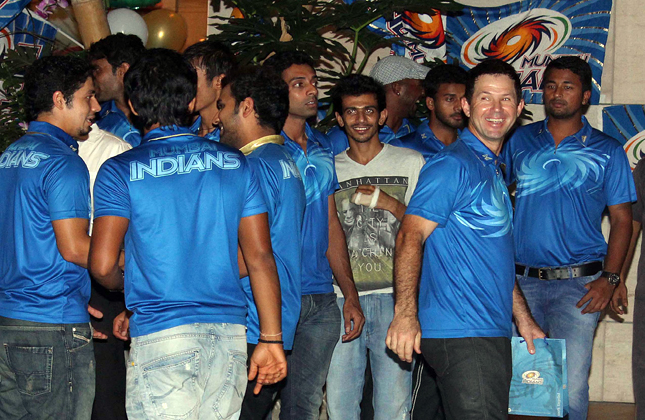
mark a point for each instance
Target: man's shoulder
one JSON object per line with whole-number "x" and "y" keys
{"x": 527, "y": 130}
{"x": 399, "y": 154}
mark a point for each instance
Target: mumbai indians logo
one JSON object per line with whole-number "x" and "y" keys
{"x": 532, "y": 377}
{"x": 635, "y": 149}
{"x": 426, "y": 27}
{"x": 537, "y": 31}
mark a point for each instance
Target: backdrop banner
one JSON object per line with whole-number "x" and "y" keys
{"x": 626, "y": 123}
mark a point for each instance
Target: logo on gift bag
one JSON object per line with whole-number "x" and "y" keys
{"x": 532, "y": 377}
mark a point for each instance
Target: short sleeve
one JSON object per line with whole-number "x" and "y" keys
{"x": 254, "y": 202}
{"x": 619, "y": 182}
{"x": 505, "y": 158}
{"x": 111, "y": 192}
{"x": 438, "y": 191}
{"x": 67, "y": 189}
{"x": 639, "y": 181}
{"x": 268, "y": 182}
{"x": 416, "y": 165}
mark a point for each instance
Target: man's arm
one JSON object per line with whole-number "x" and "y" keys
{"x": 600, "y": 291}
{"x": 384, "y": 202}
{"x": 107, "y": 237}
{"x": 339, "y": 261}
{"x": 526, "y": 325}
{"x": 619, "y": 299}
{"x": 268, "y": 361}
{"x": 404, "y": 334}
{"x": 72, "y": 240}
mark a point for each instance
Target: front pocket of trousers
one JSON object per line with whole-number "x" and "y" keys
{"x": 171, "y": 382}
{"x": 229, "y": 398}
{"x": 32, "y": 367}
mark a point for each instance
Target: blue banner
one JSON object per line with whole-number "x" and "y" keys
{"x": 626, "y": 123}
{"x": 27, "y": 30}
{"x": 9, "y": 9}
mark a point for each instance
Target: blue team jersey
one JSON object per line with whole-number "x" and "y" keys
{"x": 284, "y": 195}
{"x": 468, "y": 273}
{"x": 194, "y": 128}
{"x": 319, "y": 178}
{"x": 562, "y": 192}
{"x": 184, "y": 197}
{"x": 338, "y": 141}
{"x": 423, "y": 141}
{"x": 113, "y": 120}
{"x": 42, "y": 179}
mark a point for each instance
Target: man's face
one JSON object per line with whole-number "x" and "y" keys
{"x": 303, "y": 90}
{"x": 411, "y": 92}
{"x": 493, "y": 108}
{"x": 228, "y": 118}
{"x": 79, "y": 115}
{"x": 360, "y": 117}
{"x": 207, "y": 91}
{"x": 107, "y": 83}
{"x": 446, "y": 105}
{"x": 563, "y": 95}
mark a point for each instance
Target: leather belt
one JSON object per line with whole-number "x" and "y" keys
{"x": 560, "y": 273}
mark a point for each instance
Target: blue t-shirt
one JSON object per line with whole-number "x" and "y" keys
{"x": 468, "y": 274}
{"x": 423, "y": 141}
{"x": 113, "y": 120}
{"x": 319, "y": 178}
{"x": 562, "y": 192}
{"x": 284, "y": 194}
{"x": 42, "y": 179}
{"x": 184, "y": 197}
{"x": 194, "y": 128}
{"x": 338, "y": 141}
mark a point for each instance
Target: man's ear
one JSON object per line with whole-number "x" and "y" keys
{"x": 586, "y": 96}
{"x": 191, "y": 105}
{"x": 132, "y": 108}
{"x": 58, "y": 100}
{"x": 247, "y": 107}
{"x": 339, "y": 119}
{"x": 430, "y": 103}
{"x": 382, "y": 118}
{"x": 217, "y": 81}
{"x": 122, "y": 70}
{"x": 465, "y": 106}
{"x": 396, "y": 88}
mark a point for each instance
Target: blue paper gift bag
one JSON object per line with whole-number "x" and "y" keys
{"x": 539, "y": 382}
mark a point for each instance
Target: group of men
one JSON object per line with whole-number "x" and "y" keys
{"x": 245, "y": 243}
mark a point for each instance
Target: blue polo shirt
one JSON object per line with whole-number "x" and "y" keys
{"x": 113, "y": 120}
{"x": 423, "y": 141}
{"x": 42, "y": 179}
{"x": 194, "y": 128}
{"x": 338, "y": 141}
{"x": 284, "y": 193}
{"x": 468, "y": 274}
{"x": 562, "y": 192}
{"x": 319, "y": 177}
{"x": 184, "y": 197}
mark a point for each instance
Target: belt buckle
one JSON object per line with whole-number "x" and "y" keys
{"x": 540, "y": 271}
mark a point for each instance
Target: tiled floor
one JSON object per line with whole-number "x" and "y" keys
{"x": 599, "y": 411}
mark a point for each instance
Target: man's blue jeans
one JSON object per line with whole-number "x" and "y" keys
{"x": 46, "y": 370}
{"x": 194, "y": 371}
{"x": 316, "y": 337}
{"x": 392, "y": 378}
{"x": 553, "y": 305}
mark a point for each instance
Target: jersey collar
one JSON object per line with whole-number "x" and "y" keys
{"x": 248, "y": 148}
{"x": 482, "y": 152}
{"x": 53, "y": 131}
{"x": 583, "y": 136}
{"x": 169, "y": 131}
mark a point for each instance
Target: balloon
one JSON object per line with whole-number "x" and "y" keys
{"x": 167, "y": 29}
{"x": 128, "y": 22}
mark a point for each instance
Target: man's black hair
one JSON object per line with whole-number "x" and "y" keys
{"x": 443, "y": 74}
{"x": 356, "y": 85}
{"x": 160, "y": 86}
{"x": 283, "y": 60}
{"x": 213, "y": 57}
{"x": 117, "y": 49}
{"x": 269, "y": 92}
{"x": 575, "y": 65}
{"x": 494, "y": 67}
{"x": 48, "y": 75}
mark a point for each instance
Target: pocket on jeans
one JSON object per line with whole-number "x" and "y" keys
{"x": 229, "y": 398}
{"x": 172, "y": 384}
{"x": 81, "y": 337}
{"x": 32, "y": 367}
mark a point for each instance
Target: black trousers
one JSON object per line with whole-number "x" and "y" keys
{"x": 258, "y": 407}
{"x": 426, "y": 401}
{"x": 638, "y": 351}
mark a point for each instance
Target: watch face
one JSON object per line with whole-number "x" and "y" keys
{"x": 613, "y": 279}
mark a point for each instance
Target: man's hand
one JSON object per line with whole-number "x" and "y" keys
{"x": 121, "y": 325}
{"x": 619, "y": 298}
{"x": 530, "y": 330}
{"x": 599, "y": 294}
{"x": 404, "y": 336}
{"x": 354, "y": 319}
{"x": 97, "y": 335}
{"x": 269, "y": 364}
{"x": 384, "y": 201}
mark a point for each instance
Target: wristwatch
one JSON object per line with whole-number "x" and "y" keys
{"x": 612, "y": 278}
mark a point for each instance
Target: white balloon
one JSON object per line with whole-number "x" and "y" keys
{"x": 128, "y": 21}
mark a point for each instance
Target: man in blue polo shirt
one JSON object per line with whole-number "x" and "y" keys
{"x": 182, "y": 203}
{"x": 323, "y": 246}
{"x": 212, "y": 61}
{"x": 252, "y": 109}
{"x": 560, "y": 251}
{"x": 444, "y": 87}
{"x": 459, "y": 219}
{"x": 401, "y": 78}
{"x": 112, "y": 56}
{"x": 47, "y": 361}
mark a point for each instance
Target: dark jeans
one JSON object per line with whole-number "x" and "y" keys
{"x": 473, "y": 374}
{"x": 638, "y": 351}
{"x": 46, "y": 370}
{"x": 426, "y": 401}
{"x": 316, "y": 337}
{"x": 258, "y": 407}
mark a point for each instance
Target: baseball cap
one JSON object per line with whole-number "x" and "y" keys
{"x": 394, "y": 68}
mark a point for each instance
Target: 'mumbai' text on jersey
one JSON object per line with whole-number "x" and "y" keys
{"x": 183, "y": 164}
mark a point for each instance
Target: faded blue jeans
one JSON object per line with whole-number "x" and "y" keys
{"x": 46, "y": 370}
{"x": 194, "y": 371}
{"x": 553, "y": 305}
{"x": 392, "y": 378}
